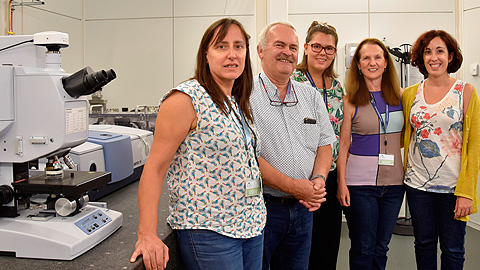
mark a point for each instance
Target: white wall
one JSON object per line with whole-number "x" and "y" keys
{"x": 136, "y": 41}
{"x": 152, "y": 44}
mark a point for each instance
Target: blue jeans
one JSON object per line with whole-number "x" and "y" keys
{"x": 371, "y": 218}
{"x": 433, "y": 219}
{"x": 204, "y": 249}
{"x": 288, "y": 235}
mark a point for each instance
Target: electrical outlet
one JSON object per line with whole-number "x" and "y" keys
{"x": 474, "y": 69}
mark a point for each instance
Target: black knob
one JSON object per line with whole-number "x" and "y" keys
{"x": 6, "y": 194}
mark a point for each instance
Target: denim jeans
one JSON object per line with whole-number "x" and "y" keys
{"x": 371, "y": 218}
{"x": 433, "y": 219}
{"x": 204, "y": 249}
{"x": 288, "y": 234}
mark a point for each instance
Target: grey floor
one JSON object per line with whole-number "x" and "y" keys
{"x": 401, "y": 255}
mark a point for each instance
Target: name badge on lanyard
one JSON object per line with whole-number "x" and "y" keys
{"x": 253, "y": 187}
{"x": 383, "y": 159}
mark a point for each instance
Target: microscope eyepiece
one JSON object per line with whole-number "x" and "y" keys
{"x": 86, "y": 81}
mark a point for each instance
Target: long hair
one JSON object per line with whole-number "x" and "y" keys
{"x": 327, "y": 29}
{"x": 355, "y": 83}
{"x": 242, "y": 87}
{"x": 422, "y": 42}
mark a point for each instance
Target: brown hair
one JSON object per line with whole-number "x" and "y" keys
{"x": 355, "y": 83}
{"x": 314, "y": 28}
{"x": 422, "y": 42}
{"x": 242, "y": 87}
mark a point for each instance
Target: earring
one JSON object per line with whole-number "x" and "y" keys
{"x": 359, "y": 72}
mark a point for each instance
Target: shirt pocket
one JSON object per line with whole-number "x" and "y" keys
{"x": 310, "y": 136}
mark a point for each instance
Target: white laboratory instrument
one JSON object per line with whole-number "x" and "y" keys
{"x": 141, "y": 140}
{"x": 120, "y": 150}
{"x": 43, "y": 114}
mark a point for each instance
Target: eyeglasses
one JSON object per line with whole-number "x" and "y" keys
{"x": 317, "y": 48}
{"x": 278, "y": 102}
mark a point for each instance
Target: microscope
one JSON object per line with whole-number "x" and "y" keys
{"x": 43, "y": 114}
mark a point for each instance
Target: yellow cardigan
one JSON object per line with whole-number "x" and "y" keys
{"x": 470, "y": 164}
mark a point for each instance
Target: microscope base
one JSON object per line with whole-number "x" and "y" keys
{"x": 31, "y": 235}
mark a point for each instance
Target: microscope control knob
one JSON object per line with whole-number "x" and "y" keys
{"x": 65, "y": 207}
{"x": 6, "y": 194}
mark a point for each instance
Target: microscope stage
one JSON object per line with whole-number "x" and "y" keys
{"x": 72, "y": 184}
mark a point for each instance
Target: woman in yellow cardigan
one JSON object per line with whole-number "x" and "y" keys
{"x": 442, "y": 142}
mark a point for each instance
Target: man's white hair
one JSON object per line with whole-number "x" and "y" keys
{"x": 262, "y": 39}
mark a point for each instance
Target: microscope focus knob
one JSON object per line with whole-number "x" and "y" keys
{"x": 65, "y": 207}
{"x": 6, "y": 194}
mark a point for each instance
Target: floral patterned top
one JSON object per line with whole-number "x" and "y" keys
{"x": 208, "y": 175}
{"x": 335, "y": 108}
{"x": 436, "y": 146}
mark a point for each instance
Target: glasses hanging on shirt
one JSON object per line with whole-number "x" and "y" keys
{"x": 279, "y": 102}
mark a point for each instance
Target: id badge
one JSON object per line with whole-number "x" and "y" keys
{"x": 253, "y": 187}
{"x": 387, "y": 160}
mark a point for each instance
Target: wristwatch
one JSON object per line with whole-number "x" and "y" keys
{"x": 317, "y": 176}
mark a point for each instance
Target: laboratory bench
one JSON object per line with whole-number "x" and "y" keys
{"x": 115, "y": 251}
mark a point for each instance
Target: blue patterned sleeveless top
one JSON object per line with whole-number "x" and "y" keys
{"x": 207, "y": 178}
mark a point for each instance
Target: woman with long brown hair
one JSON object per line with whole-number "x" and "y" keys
{"x": 370, "y": 172}
{"x": 205, "y": 147}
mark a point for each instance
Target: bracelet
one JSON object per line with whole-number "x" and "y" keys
{"x": 317, "y": 176}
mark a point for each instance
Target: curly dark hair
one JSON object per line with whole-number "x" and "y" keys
{"x": 422, "y": 42}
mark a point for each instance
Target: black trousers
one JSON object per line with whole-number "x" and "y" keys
{"x": 327, "y": 226}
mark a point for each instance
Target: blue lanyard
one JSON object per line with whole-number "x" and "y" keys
{"x": 384, "y": 124}
{"x": 309, "y": 77}
{"x": 247, "y": 138}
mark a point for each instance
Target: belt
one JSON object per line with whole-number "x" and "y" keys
{"x": 287, "y": 200}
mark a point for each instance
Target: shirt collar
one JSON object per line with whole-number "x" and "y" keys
{"x": 270, "y": 86}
